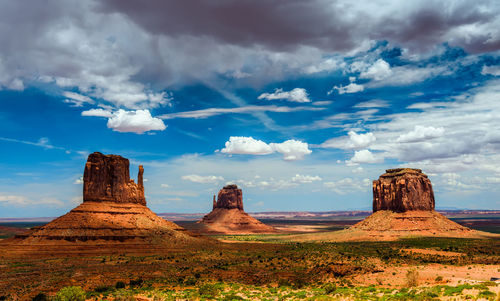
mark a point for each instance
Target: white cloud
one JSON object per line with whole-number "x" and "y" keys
{"x": 355, "y": 141}
{"x": 16, "y": 84}
{"x": 378, "y": 71}
{"x": 138, "y": 122}
{"x": 298, "y": 178}
{"x": 22, "y": 201}
{"x": 76, "y": 99}
{"x": 97, "y": 113}
{"x": 375, "y": 103}
{"x": 348, "y": 185}
{"x": 204, "y": 113}
{"x": 492, "y": 70}
{"x": 42, "y": 142}
{"x": 295, "y": 95}
{"x": 203, "y": 179}
{"x": 78, "y": 181}
{"x": 363, "y": 156}
{"x": 421, "y": 133}
{"x": 291, "y": 149}
{"x": 350, "y": 88}
{"x": 405, "y": 75}
{"x": 325, "y": 65}
{"x": 246, "y": 146}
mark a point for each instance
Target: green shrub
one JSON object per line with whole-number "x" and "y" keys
{"x": 208, "y": 290}
{"x": 136, "y": 282}
{"x": 102, "y": 289}
{"x": 486, "y": 295}
{"x": 232, "y": 297}
{"x": 330, "y": 288}
{"x": 120, "y": 284}
{"x": 190, "y": 281}
{"x": 71, "y": 293}
{"x": 40, "y": 297}
{"x": 439, "y": 278}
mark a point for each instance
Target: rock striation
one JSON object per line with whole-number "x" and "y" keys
{"x": 228, "y": 216}
{"x": 403, "y": 189}
{"x": 113, "y": 211}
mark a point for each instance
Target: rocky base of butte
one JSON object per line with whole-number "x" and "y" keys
{"x": 113, "y": 211}
{"x": 228, "y": 217}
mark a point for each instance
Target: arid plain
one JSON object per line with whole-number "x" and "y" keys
{"x": 112, "y": 247}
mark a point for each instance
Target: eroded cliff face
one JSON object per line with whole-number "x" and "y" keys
{"x": 403, "y": 189}
{"x": 106, "y": 178}
{"x": 230, "y": 197}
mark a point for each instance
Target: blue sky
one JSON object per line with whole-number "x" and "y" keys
{"x": 302, "y": 104}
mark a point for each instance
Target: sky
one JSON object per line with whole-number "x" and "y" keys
{"x": 300, "y": 103}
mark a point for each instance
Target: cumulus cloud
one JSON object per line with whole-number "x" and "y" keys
{"x": 295, "y": 95}
{"x": 291, "y": 149}
{"x": 378, "y": 71}
{"x": 350, "y": 88}
{"x": 305, "y": 178}
{"x": 421, "y": 133}
{"x": 97, "y": 113}
{"x": 363, "y": 156}
{"x": 246, "y": 146}
{"x": 202, "y": 179}
{"x": 444, "y": 136}
{"x": 491, "y": 70}
{"x": 354, "y": 141}
{"x": 138, "y": 122}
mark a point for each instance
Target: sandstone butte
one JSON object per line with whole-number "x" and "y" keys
{"x": 403, "y": 206}
{"x": 228, "y": 216}
{"x": 113, "y": 211}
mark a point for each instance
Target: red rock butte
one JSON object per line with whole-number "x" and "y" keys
{"x": 403, "y": 189}
{"x": 228, "y": 216}
{"x": 403, "y": 205}
{"x": 113, "y": 211}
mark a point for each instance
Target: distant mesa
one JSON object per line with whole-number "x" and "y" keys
{"x": 228, "y": 217}
{"x": 113, "y": 211}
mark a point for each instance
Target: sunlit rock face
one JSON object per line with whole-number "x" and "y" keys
{"x": 403, "y": 189}
{"x": 106, "y": 179}
{"x": 230, "y": 197}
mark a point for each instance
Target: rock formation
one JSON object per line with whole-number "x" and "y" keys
{"x": 403, "y": 189}
{"x": 230, "y": 197}
{"x": 106, "y": 179}
{"x": 228, "y": 217}
{"x": 403, "y": 205}
{"x": 113, "y": 211}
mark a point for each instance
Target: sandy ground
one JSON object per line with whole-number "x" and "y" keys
{"x": 395, "y": 276}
